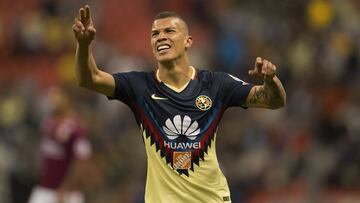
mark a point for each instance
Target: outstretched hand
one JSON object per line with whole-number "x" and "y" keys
{"x": 83, "y": 27}
{"x": 263, "y": 70}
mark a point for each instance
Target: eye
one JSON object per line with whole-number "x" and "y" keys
{"x": 170, "y": 30}
{"x": 154, "y": 34}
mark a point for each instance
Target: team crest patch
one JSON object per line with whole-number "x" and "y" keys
{"x": 182, "y": 160}
{"x": 203, "y": 102}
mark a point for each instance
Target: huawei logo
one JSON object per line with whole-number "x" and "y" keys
{"x": 181, "y": 126}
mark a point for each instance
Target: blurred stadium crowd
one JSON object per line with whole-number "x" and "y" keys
{"x": 308, "y": 151}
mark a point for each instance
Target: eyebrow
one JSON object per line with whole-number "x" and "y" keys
{"x": 171, "y": 27}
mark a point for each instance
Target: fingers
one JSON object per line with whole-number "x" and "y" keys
{"x": 78, "y": 27}
{"x": 83, "y": 27}
{"x": 256, "y": 71}
{"x": 85, "y": 15}
{"x": 268, "y": 68}
{"x": 91, "y": 32}
{"x": 79, "y": 24}
{"x": 82, "y": 14}
{"x": 87, "y": 12}
{"x": 258, "y": 63}
{"x": 263, "y": 69}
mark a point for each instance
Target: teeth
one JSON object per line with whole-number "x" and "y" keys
{"x": 163, "y": 47}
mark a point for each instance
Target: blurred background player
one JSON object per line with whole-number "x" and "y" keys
{"x": 65, "y": 151}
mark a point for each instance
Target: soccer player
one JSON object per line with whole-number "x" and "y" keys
{"x": 65, "y": 152}
{"x": 177, "y": 107}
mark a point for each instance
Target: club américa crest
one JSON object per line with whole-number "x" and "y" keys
{"x": 203, "y": 102}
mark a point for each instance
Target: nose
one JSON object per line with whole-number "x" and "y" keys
{"x": 162, "y": 37}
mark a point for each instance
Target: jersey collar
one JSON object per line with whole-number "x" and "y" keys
{"x": 193, "y": 77}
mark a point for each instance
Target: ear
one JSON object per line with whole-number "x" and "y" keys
{"x": 188, "y": 42}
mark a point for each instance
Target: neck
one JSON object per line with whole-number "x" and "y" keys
{"x": 176, "y": 73}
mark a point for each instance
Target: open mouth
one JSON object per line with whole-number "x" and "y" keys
{"x": 163, "y": 48}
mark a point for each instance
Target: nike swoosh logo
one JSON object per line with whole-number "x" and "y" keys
{"x": 153, "y": 96}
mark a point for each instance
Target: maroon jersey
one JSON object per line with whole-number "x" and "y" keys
{"x": 63, "y": 141}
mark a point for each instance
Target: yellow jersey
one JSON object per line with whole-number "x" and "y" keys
{"x": 179, "y": 132}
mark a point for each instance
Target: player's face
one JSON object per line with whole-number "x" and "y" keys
{"x": 169, "y": 39}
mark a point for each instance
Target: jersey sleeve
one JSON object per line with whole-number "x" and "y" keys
{"x": 127, "y": 86}
{"x": 233, "y": 90}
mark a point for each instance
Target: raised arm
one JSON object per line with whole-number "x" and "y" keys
{"x": 87, "y": 73}
{"x": 271, "y": 94}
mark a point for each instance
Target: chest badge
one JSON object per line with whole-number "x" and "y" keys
{"x": 203, "y": 102}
